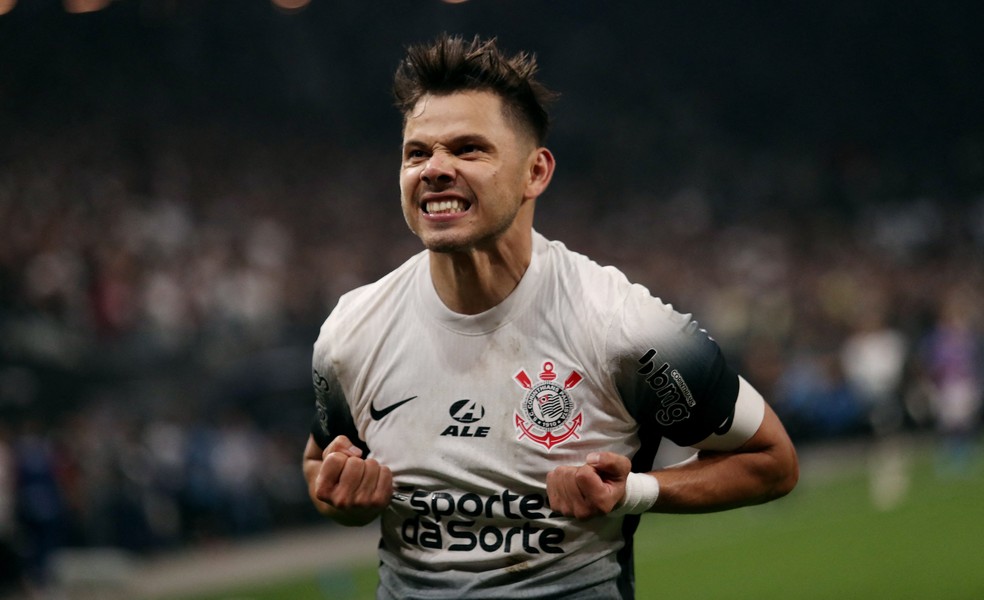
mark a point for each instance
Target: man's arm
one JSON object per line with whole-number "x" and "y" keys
{"x": 762, "y": 469}
{"x": 344, "y": 486}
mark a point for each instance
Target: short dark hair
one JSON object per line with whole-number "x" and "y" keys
{"x": 451, "y": 64}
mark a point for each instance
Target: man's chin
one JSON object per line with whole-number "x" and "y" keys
{"x": 445, "y": 242}
{"x": 461, "y": 239}
{"x": 446, "y": 246}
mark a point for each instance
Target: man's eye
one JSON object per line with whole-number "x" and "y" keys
{"x": 469, "y": 149}
{"x": 415, "y": 154}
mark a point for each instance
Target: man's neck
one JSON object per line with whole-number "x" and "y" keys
{"x": 473, "y": 281}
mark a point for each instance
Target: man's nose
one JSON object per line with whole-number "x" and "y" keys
{"x": 439, "y": 169}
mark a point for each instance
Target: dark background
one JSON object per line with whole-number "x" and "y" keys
{"x": 648, "y": 83}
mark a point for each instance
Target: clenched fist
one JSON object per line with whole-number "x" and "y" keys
{"x": 356, "y": 489}
{"x": 590, "y": 490}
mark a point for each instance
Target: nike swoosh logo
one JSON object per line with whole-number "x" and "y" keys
{"x": 379, "y": 414}
{"x": 725, "y": 427}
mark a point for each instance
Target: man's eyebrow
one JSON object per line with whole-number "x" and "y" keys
{"x": 458, "y": 140}
{"x": 471, "y": 138}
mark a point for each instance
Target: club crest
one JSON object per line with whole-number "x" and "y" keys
{"x": 545, "y": 415}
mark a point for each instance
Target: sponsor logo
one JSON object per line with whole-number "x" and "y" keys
{"x": 500, "y": 523}
{"x": 320, "y": 384}
{"x": 675, "y": 399}
{"x": 725, "y": 427}
{"x": 378, "y": 414}
{"x": 321, "y": 399}
{"x": 545, "y": 415}
{"x": 466, "y": 412}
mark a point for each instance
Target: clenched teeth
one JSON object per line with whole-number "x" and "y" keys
{"x": 438, "y": 207}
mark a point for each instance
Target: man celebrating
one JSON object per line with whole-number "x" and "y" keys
{"x": 498, "y": 400}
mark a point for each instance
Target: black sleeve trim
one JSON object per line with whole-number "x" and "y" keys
{"x": 333, "y": 417}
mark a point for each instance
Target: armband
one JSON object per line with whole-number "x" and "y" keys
{"x": 641, "y": 491}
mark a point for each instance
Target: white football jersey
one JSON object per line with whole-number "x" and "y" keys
{"x": 470, "y": 412}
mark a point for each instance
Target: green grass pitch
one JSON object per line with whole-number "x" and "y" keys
{"x": 825, "y": 540}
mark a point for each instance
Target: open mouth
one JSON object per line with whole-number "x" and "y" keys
{"x": 445, "y": 207}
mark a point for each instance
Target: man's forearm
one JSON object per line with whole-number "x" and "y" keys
{"x": 764, "y": 469}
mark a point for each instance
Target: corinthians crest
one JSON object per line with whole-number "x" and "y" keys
{"x": 545, "y": 414}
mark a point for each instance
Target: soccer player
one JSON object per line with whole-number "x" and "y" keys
{"x": 498, "y": 400}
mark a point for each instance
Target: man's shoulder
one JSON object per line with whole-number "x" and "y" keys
{"x": 609, "y": 293}
{"x": 381, "y": 299}
{"x": 386, "y": 289}
{"x": 582, "y": 275}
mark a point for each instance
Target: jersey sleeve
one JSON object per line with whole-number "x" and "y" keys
{"x": 745, "y": 421}
{"x": 671, "y": 375}
{"x": 333, "y": 417}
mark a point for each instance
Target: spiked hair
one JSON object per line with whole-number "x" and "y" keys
{"x": 451, "y": 64}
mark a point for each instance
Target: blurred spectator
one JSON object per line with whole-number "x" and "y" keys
{"x": 874, "y": 357}
{"x": 236, "y": 461}
{"x": 815, "y": 400}
{"x": 9, "y": 561}
{"x": 41, "y": 511}
{"x": 954, "y": 360}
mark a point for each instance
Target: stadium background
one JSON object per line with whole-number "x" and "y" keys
{"x": 187, "y": 187}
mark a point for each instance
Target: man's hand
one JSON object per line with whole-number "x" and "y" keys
{"x": 356, "y": 490}
{"x": 590, "y": 490}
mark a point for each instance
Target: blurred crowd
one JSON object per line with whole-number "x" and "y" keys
{"x": 160, "y": 290}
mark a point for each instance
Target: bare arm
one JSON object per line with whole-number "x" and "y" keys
{"x": 762, "y": 469}
{"x": 344, "y": 486}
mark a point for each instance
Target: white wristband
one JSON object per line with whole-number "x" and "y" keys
{"x": 641, "y": 491}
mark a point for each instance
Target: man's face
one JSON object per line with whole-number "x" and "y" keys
{"x": 465, "y": 171}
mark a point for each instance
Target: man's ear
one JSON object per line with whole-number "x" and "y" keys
{"x": 541, "y": 172}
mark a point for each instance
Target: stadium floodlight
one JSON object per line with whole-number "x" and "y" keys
{"x": 84, "y": 6}
{"x": 290, "y": 5}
